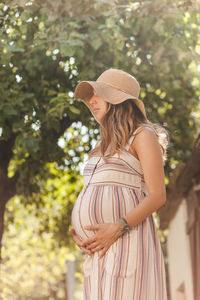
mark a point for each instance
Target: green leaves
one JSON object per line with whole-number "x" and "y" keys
{"x": 31, "y": 144}
{"x": 96, "y": 42}
{"x": 74, "y": 110}
{"x": 9, "y": 110}
{"x": 28, "y": 144}
{"x": 58, "y": 104}
{"x": 28, "y": 239}
{"x": 47, "y": 47}
{"x": 12, "y": 48}
{"x": 146, "y": 40}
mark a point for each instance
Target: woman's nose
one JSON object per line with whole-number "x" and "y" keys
{"x": 92, "y": 100}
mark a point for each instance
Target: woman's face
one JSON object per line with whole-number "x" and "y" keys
{"x": 98, "y": 106}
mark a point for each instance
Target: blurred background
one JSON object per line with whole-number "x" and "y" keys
{"x": 46, "y": 48}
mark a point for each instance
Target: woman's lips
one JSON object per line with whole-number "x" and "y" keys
{"x": 96, "y": 109}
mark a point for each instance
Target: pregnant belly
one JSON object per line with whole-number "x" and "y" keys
{"x": 101, "y": 204}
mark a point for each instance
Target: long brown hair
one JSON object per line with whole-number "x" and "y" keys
{"x": 118, "y": 125}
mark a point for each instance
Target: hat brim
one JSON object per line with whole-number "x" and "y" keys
{"x": 84, "y": 91}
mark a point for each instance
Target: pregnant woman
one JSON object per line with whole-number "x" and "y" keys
{"x": 123, "y": 185}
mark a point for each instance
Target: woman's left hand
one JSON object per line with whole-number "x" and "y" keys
{"x": 106, "y": 235}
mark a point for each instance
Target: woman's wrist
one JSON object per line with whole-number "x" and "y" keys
{"x": 119, "y": 231}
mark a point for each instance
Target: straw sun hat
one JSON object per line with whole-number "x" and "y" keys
{"x": 114, "y": 86}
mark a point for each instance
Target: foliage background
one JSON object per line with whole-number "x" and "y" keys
{"x": 46, "y": 49}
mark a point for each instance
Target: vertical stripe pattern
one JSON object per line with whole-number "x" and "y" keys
{"x": 133, "y": 267}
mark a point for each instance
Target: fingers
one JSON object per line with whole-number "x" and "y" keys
{"x": 86, "y": 250}
{"x": 103, "y": 252}
{"x": 72, "y": 231}
{"x": 92, "y": 245}
{"x": 89, "y": 252}
{"x": 98, "y": 248}
{"x": 79, "y": 242}
{"x": 80, "y": 245}
{"x": 89, "y": 241}
{"x": 92, "y": 227}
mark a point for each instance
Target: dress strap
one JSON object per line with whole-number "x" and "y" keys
{"x": 133, "y": 136}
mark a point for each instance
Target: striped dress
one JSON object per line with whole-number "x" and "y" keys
{"x": 133, "y": 267}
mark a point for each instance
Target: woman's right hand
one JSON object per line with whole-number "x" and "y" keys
{"x": 78, "y": 241}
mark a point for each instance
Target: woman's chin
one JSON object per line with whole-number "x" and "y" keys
{"x": 97, "y": 119}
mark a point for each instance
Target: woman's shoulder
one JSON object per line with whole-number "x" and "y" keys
{"x": 144, "y": 127}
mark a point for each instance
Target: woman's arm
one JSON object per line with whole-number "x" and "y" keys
{"x": 149, "y": 153}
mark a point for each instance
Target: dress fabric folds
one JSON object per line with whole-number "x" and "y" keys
{"x": 133, "y": 267}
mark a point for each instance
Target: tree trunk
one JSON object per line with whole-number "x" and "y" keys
{"x": 7, "y": 191}
{"x": 2, "y": 211}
